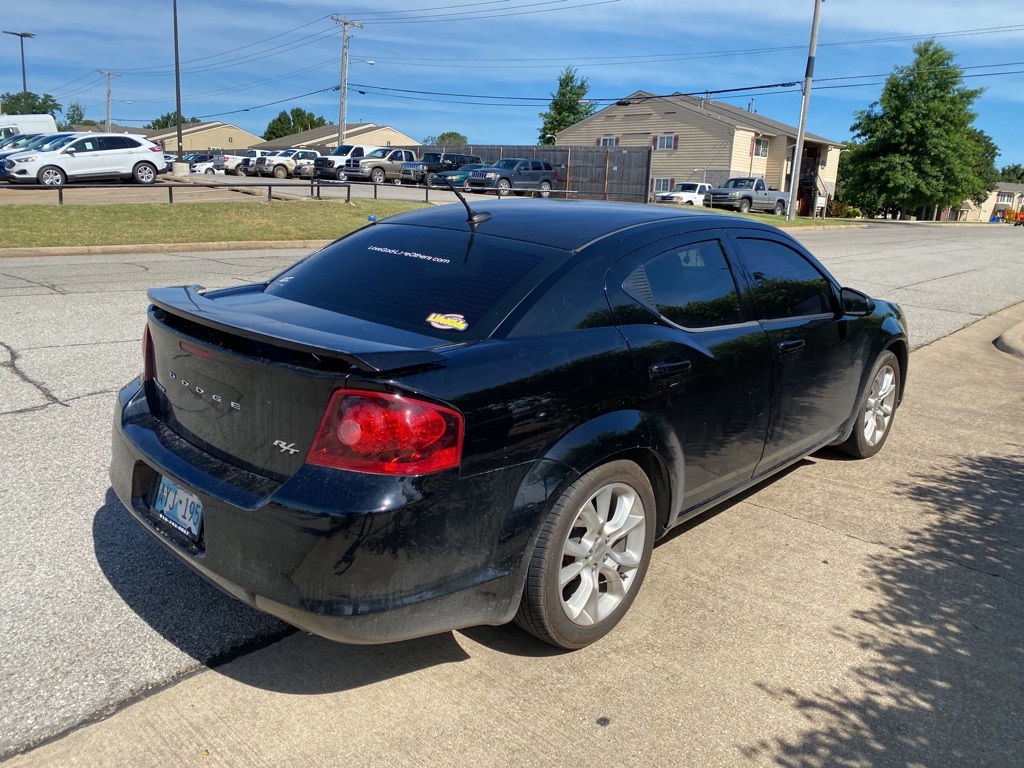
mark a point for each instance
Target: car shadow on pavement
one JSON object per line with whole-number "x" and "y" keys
{"x": 943, "y": 678}
{"x": 216, "y": 629}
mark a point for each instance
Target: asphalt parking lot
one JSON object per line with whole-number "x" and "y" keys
{"x": 844, "y": 613}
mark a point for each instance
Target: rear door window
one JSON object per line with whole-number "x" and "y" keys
{"x": 439, "y": 282}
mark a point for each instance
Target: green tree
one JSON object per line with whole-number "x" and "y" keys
{"x": 28, "y": 103}
{"x": 916, "y": 147}
{"x": 986, "y": 177}
{"x": 73, "y": 115}
{"x": 169, "y": 120}
{"x": 288, "y": 123}
{"x": 568, "y": 105}
{"x": 1012, "y": 173}
{"x": 448, "y": 139}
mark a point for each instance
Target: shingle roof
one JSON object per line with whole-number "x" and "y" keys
{"x": 735, "y": 116}
{"x": 322, "y": 135}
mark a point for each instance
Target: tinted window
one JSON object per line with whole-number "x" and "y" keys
{"x": 691, "y": 286}
{"x": 439, "y": 282}
{"x": 86, "y": 145}
{"x": 786, "y": 284}
{"x": 118, "y": 142}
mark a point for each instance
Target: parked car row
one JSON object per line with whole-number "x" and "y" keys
{"x": 56, "y": 158}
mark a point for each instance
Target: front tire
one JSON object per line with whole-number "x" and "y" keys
{"x": 52, "y": 176}
{"x": 239, "y": 171}
{"x": 280, "y": 172}
{"x": 744, "y": 206}
{"x": 210, "y": 171}
{"x": 504, "y": 187}
{"x": 875, "y": 409}
{"x": 591, "y": 557}
{"x": 377, "y": 176}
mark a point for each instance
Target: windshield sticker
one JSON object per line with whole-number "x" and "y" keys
{"x": 447, "y": 322}
{"x": 410, "y": 254}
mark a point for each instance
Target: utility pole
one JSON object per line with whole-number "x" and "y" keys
{"x": 345, "y": 24}
{"x": 798, "y": 150}
{"x": 177, "y": 78}
{"x": 109, "y": 75}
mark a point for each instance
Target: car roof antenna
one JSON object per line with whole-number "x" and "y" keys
{"x": 473, "y": 217}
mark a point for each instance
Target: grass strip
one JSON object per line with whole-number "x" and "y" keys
{"x": 37, "y": 226}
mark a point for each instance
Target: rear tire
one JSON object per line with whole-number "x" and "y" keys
{"x": 545, "y": 189}
{"x": 591, "y": 557}
{"x": 780, "y": 207}
{"x": 876, "y": 409}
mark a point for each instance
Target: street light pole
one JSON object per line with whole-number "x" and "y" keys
{"x": 798, "y": 150}
{"x": 24, "y": 82}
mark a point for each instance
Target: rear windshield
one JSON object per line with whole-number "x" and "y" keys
{"x": 437, "y": 282}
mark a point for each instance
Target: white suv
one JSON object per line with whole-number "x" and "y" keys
{"x": 88, "y": 156}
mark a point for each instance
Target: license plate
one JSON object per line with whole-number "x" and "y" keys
{"x": 178, "y": 507}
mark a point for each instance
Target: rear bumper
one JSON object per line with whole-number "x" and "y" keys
{"x": 390, "y": 558}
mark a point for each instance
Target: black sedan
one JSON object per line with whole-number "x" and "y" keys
{"x": 451, "y": 418}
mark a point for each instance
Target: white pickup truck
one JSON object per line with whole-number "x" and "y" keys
{"x": 685, "y": 193}
{"x": 746, "y": 194}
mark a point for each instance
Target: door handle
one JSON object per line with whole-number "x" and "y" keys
{"x": 668, "y": 370}
{"x": 789, "y": 347}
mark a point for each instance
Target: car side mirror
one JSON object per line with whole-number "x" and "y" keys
{"x": 856, "y": 303}
{"x": 69, "y": 151}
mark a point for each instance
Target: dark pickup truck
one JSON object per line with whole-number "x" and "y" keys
{"x": 430, "y": 163}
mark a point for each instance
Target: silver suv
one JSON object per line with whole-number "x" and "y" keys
{"x": 87, "y": 156}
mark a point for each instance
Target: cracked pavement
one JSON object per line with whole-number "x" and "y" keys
{"x": 860, "y": 613}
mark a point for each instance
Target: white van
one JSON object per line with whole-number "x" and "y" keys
{"x": 12, "y": 124}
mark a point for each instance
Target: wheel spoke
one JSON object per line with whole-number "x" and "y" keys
{"x": 582, "y": 597}
{"x": 570, "y": 572}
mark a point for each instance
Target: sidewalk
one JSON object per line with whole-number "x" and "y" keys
{"x": 850, "y": 613}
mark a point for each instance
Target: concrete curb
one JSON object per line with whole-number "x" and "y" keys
{"x": 1012, "y": 341}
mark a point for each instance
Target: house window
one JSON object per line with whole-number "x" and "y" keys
{"x": 1005, "y": 197}
{"x": 607, "y": 141}
{"x": 666, "y": 142}
{"x": 662, "y": 185}
{"x": 760, "y": 147}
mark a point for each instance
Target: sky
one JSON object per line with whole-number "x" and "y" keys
{"x": 488, "y": 68}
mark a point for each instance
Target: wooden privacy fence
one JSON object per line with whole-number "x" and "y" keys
{"x": 593, "y": 173}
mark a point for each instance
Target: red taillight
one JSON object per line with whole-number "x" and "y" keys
{"x": 387, "y": 435}
{"x": 156, "y": 149}
{"x": 148, "y": 356}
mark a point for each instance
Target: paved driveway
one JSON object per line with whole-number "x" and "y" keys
{"x": 846, "y": 613}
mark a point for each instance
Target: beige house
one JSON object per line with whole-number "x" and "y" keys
{"x": 196, "y": 137}
{"x": 327, "y": 136}
{"x": 695, "y": 139}
{"x": 1005, "y": 202}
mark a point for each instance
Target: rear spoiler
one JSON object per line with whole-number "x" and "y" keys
{"x": 369, "y": 356}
